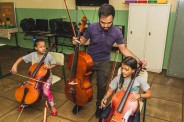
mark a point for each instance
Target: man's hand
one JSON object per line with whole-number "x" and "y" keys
{"x": 103, "y": 103}
{"x": 75, "y": 41}
{"x": 143, "y": 62}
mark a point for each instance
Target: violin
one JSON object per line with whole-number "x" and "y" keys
{"x": 29, "y": 92}
{"x": 78, "y": 88}
{"x": 122, "y": 109}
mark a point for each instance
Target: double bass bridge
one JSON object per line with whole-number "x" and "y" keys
{"x": 72, "y": 83}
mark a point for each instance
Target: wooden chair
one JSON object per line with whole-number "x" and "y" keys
{"x": 59, "y": 58}
{"x": 144, "y": 75}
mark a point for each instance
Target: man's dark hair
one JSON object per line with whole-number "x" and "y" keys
{"x": 106, "y": 10}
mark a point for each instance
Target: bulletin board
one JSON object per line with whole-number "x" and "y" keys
{"x": 7, "y": 11}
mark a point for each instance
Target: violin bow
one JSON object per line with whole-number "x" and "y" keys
{"x": 113, "y": 69}
{"x": 112, "y": 73}
{"x": 71, "y": 22}
{"x": 36, "y": 80}
{"x": 70, "y": 19}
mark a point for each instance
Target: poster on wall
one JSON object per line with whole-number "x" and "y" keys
{"x": 7, "y": 14}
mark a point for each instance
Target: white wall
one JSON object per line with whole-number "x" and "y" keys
{"x": 59, "y": 4}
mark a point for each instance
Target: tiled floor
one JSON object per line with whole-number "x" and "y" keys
{"x": 164, "y": 106}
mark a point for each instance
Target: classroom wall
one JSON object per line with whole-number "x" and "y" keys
{"x": 46, "y": 9}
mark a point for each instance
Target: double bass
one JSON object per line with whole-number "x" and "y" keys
{"x": 29, "y": 92}
{"x": 78, "y": 88}
{"x": 122, "y": 109}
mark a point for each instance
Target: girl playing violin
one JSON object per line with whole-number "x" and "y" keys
{"x": 121, "y": 82}
{"x": 49, "y": 63}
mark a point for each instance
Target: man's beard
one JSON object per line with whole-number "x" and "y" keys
{"x": 106, "y": 29}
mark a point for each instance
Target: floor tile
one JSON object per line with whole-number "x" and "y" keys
{"x": 6, "y": 106}
{"x": 151, "y": 77}
{"x": 168, "y": 81}
{"x": 152, "y": 119}
{"x": 166, "y": 93}
{"x": 57, "y": 119}
{"x": 59, "y": 99}
{"x": 165, "y": 110}
{"x": 28, "y": 115}
{"x": 7, "y": 84}
{"x": 10, "y": 94}
{"x": 84, "y": 115}
{"x": 94, "y": 119}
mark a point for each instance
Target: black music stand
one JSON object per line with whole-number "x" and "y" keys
{"x": 62, "y": 29}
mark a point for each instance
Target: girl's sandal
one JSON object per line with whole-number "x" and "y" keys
{"x": 19, "y": 108}
{"x": 54, "y": 113}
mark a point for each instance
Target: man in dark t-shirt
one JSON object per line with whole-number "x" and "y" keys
{"x": 102, "y": 36}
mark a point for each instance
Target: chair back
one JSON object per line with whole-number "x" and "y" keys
{"x": 58, "y": 57}
{"x": 144, "y": 74}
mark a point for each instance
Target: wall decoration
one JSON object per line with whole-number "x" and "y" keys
{"x": 7, "y": 14}
{"x": 130, "y": 1}
{"x": 146, "y": 1}
{"x": 152, "y": 1}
